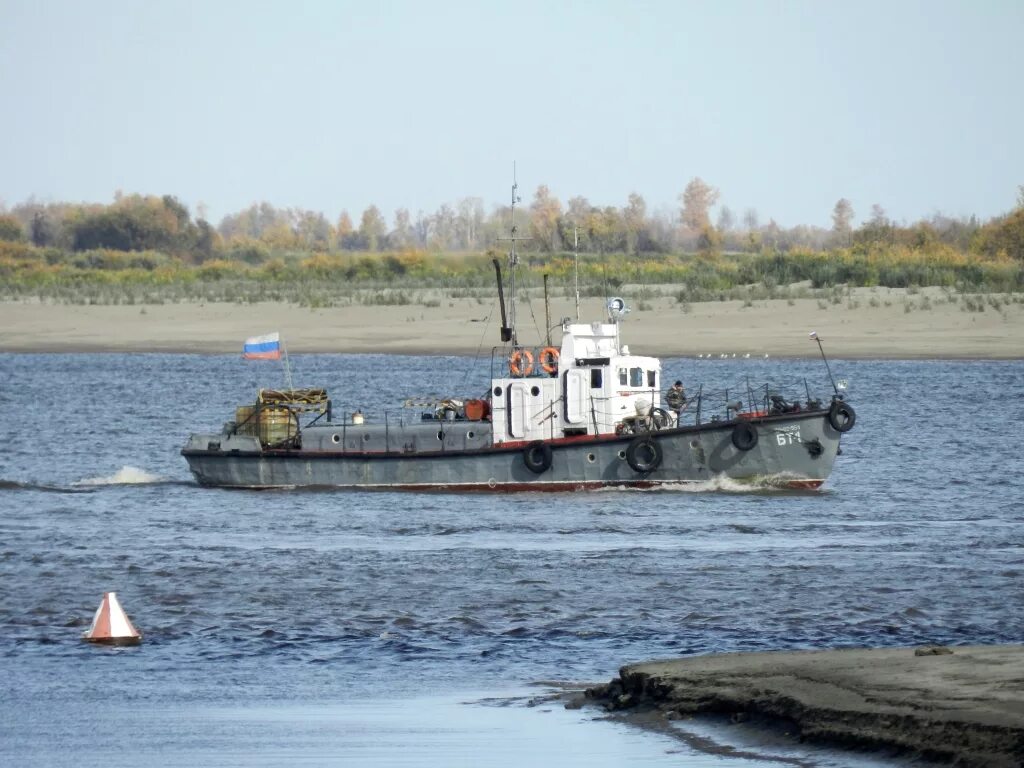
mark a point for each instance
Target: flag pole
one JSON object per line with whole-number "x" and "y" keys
{"x": 287, "y": 366}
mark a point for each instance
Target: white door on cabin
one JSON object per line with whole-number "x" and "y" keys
{"x": 577, "y": 397}
{"x": 518, "y": 417}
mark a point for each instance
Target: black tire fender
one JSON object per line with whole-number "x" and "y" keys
{"x": 644, "y": 454}
{"x": 744, "y": 435}
{"x": 537, "y": 457}
{"x": 841, "y": 416}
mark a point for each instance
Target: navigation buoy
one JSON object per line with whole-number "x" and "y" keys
{"x": 111, "y": 625}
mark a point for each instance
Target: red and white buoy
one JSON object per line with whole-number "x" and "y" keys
{"x": 111, "y": 625}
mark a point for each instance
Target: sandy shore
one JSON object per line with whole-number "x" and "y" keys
{"x": 964, "y": 707}
{"x": 871, "y": 323}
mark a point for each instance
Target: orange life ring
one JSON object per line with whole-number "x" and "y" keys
{"x": 548, "y": 360}
{"x": 521, "y": 362}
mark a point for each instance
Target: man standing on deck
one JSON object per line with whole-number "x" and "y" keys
{"x": 675, "y": 398}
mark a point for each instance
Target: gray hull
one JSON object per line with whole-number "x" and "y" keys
{"x": 791, "y": 450}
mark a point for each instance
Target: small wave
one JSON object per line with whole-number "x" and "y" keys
{"x": 126, "y": 475}
{"x": 715, "y": 484}
{"x": 723, "y": 484}
{"x": 739, "y": 528}
{"x": 14, "y": 485}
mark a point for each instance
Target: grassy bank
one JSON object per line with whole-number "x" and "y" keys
{"x": 415, "y": 277}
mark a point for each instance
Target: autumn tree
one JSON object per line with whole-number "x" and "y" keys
{"x": 313, "y": 230}
{"x": 751, "y": 223}
{"x": 726, "y": 220}
{"x": 10, "y": 229}
{"x": 255, "y": 222}
{"x": 207, "y": 240}
{"x": 42, "y": 230}
{"x": 344, "y": 231}
{"x": 573, "y": 223}
{"x": 469, "y": 221}
{"x": 606, "y": 229}
{"x": 402, "y": 235}
{"x": 421, "y": 228}
{"x": 545, "y": 211}
{"x": 135, "y": 223}
{"x": 634, "y": 217}
{"x": 877, "y": 229}
{"x": 770, "y": 234}
{"x": 1003, "y": 236}
{"x": 697, "y": 200}
{"x": 842, "y": 220}
{"x": 442, "y": 228}
{"x": 372, "y": 228}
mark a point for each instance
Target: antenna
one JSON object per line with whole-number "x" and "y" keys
{"x": 576, "y": 260}
{"x": 814, "y": 337}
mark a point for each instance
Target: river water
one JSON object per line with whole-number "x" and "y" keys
{"x": 349, "y": 628}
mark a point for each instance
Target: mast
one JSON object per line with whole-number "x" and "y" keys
{"x": 547, "y": 311}
{"x": 576, "y": 270}
{"x": 513, "y": 259}
{"x": 513, "y": 262}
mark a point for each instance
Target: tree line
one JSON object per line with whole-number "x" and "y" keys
{"x": 163, "y": 224}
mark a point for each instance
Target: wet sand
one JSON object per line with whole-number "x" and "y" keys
{"x": 852, "y": 328}
{"x": 964, "y": 708}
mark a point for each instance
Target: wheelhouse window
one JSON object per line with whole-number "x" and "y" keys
{"x": 623, "y": 377}
{"x": 595, "y": 378}
{"x": 652, "y": 379}
{"x": 636, "y": 377}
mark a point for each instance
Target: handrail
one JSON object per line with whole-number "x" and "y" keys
{"x": 708, "y": 405}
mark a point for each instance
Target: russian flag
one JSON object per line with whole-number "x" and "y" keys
{"x": 266, "y": 347}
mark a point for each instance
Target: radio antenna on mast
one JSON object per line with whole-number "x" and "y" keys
{"x": 576, "y": 259}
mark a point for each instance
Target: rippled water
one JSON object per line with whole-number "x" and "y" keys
{"x": 291, "y": 598}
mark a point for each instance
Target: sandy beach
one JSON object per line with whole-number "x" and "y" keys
{"x": 870, "y": 323}
{"x": 962, "y": 705}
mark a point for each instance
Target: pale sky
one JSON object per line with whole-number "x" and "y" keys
{"x": 784, "y": 106}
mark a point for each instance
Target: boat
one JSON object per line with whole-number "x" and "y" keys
{"x": 585, "y": 413}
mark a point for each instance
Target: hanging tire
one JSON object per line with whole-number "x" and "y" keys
{"x": 744, "y": 436}
{"x": 537, "y": 457}
{"x": 644, "y": 455}
{"x": 841, "y": 416}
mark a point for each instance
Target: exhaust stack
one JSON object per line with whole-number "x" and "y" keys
{"x": 506, "y": 332}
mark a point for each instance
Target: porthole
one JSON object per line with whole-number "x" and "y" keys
{"x": 497, "y": 391}
{"x": 535, "y": 390}
{"x": 470, "y": 435}
{"x": 591, "y": 458}
{"x": 440, "y": 436}
{"x": 366, "y": 437}
{"x": 622, "y": 454}
{"x": 335, "y": 438}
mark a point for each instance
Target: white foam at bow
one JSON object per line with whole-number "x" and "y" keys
{"x": 126, "y": 475}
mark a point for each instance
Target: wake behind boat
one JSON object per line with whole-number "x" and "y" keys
{"x": 581, "y": 415}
